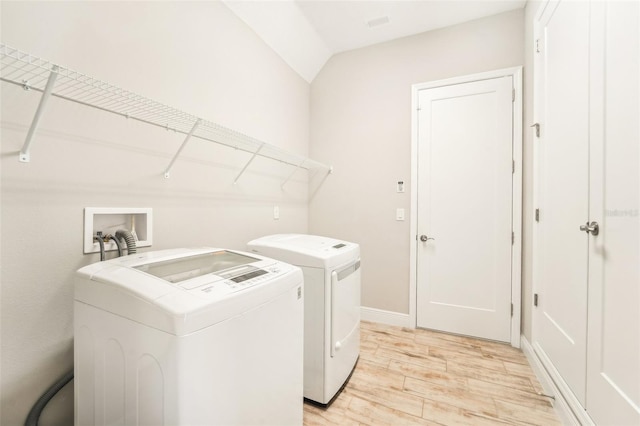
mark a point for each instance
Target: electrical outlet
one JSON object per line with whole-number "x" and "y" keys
{"x": 400, "y": 214}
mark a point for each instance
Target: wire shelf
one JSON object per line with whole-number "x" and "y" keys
{"x": 33, "y": 73}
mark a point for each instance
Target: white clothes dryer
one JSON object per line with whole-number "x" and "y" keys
{"x": 189, "y": 337}
{"x": 331, "y": 271}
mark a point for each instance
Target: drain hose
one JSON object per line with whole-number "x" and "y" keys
{"x": 128, "y": 238}
{"x": 36, "y": 410}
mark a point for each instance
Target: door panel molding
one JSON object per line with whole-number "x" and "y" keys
{"x": 516, "y": 265}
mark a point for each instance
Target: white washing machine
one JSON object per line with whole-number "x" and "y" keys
{"x": 331, "y": 309}
{"x": 189, "y": 337}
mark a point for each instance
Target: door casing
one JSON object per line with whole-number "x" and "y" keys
{"x": 516, "y": 254}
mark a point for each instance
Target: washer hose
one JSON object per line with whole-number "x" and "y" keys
{"x": 36, "y": 410}
{"x": 100, "y": 240}
{"x": 128, "y": 238}
{"x": 115, "y": 240}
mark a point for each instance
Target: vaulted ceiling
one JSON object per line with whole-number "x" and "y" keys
{"x": 306, "y": 33}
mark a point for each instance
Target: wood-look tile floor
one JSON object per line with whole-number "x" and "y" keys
{"x": 421, "y": 377}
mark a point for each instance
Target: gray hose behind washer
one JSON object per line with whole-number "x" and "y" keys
{"x": 36, "y": 410}
{"x": 123, "y": 234}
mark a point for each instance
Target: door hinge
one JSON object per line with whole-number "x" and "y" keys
{"x": 513, "y": 95}
{"x": 537, "y": 45}
{"x": 535, "y": 299}
{"x": 537, "y": 126}
{"x": 513, "y": 166}
{"x": 537, "y": 215}
{"x": 513, "y": 237}
{"x": 512, "y": 309}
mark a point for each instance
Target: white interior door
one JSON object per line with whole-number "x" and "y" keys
{"x": 613, "y": 355}
{"x": 465, "y": 141}
{"x": 563, "y": 170}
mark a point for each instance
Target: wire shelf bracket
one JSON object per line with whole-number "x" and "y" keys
{"x": 33, "y": 73}
{"x": 292, "y": 173}
{"x": 25, "y": 156}
{"x": 248, "y": 162}
{"x": 167, "y": 172}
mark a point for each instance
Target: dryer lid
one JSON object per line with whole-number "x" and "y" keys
{"x": 306, "y": 250}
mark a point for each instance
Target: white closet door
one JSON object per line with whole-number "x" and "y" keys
{"x": 465, "y": 208}
{"x": 613, "y": 356}
{"x": 562, "y": 95}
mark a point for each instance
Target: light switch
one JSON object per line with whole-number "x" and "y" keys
{"x": 400, "y": 186}
{"x": 276, "y": 212}
{"x": 399, "y": 214}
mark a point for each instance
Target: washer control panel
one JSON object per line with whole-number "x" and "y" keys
{"x": 238, "y": 279}
{"x": 244, "y": 277}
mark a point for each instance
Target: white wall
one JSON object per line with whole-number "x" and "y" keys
{"x": 196, "y": 56}
{"x": 361, "y": 122}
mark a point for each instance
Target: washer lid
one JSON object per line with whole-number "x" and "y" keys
{"x": 177, "y": 270}
{"x": 306, "y": 250}
{"x": 183, "y": 290}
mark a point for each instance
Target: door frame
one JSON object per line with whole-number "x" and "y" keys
{"x": 516, "y": 253}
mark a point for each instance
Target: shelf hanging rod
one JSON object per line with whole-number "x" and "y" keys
{"x": 292, "y": 173}
{"x": 167, "y": 172}
{"x": 24, "y": 153}
{"x": 248, "y": 162}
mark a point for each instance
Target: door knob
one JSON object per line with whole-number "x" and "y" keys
{"x": 591, "y": 228}
{"x": 424, "y": 238}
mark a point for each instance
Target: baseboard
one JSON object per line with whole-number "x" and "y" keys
{"x": 384, "y": 317}
{"x": 561, "y": 404}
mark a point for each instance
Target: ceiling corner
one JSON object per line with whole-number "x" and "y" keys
{"x": 275, "y": 22}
